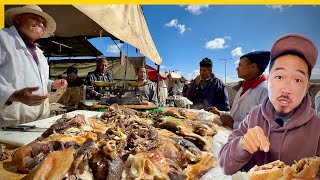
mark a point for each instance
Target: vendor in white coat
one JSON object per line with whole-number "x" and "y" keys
{"x": 252, "y": 91}
{"x": 24, "y": 71}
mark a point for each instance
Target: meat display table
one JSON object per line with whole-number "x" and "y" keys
{"x": 18, "y": 138}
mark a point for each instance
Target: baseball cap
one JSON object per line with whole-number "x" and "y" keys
{"x": 295, "y": 43}
{"x": 71, "y": 70}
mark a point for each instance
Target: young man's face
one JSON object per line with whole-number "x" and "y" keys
{"x": 31, "y": 25}
{"x": 244, "y": 68}
{"x": 142, "y": 74}
{"x": 102, "y": 67}
{"x": 205, "y": 72}
{"x": 72, "y": 76}
{"x": 288, "y": 83}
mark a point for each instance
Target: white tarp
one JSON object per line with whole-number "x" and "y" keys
{"x": 125, "y": 22}
{"x": 173, "y": 75}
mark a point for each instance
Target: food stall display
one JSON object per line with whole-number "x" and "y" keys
{"x": 122, "y": 95}
{"x": 121, "y": 144}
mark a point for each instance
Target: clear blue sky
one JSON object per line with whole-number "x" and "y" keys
{"x": 184, "y": 35}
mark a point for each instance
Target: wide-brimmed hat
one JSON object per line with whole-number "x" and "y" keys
{"x": 34, "y": 9}
{"x": 295, "y": 43}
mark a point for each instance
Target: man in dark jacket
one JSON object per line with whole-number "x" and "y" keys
{"x": 207, "y": 90}
{"x": 73, "y": 79}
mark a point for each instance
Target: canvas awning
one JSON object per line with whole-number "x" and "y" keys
{"x": 124, "y": 22}
{"x": 119, "y": 72}
{"x": 152, "y": 74}
{"x": 173, "y": 75}
{"x": 68, "y": 47}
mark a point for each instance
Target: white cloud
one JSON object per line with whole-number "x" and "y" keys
{"x": 237, "y": 52}
{"x": 114, "y": 49}
{"x": 162, "y": 67}
{"x": 196, "y": 9}
{"x": 172, "y": 23}
{"x": 181, "y": 27}
{"x": 237, "y": 62}
{"x": 191, "y": 75}
{"x": 217, "y": 43}
{"x": 227, "y": 37}
{"x": 278, "y": 7}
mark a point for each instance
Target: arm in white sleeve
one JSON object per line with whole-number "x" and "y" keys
{"x": 6, "y": 89}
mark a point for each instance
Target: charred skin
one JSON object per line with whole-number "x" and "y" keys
{"x": 122, "y": 134}
{"x": 104, "y": 168}
{"x": 27, "y": 157}
{"x": 59, "y": 127}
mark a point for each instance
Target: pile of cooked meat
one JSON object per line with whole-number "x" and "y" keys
{"x": 121, "y": 144}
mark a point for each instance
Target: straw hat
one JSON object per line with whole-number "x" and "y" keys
{"x": 34, "y": 9}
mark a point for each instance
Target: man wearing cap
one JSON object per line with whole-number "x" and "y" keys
{"x": 24, "y": 71}
{"x": 207, "y": 90}
{"x": 284, "y": 127}
{"x": 99, "y": 74}
{"x": 73, "y": 78}
{"x": 252, "y": 91}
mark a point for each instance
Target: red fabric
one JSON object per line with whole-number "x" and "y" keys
{"x": 251, "y": 84}
{"x": 152, "y": 74}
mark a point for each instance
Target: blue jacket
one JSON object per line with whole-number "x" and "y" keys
{"x": 215, "y": 94}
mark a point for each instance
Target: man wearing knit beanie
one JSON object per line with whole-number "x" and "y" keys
{"x": 253, "y": 89}
{"x": 207, "y": 90}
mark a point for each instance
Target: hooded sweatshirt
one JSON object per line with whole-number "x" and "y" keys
{"x": 298, "y": 139}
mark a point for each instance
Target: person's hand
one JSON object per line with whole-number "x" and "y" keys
{"x": 197, "y": 80}
{"x": 255, "y": 140}
{"x": 213, "y": 109}
{"x": 59, "y": 84}
{"x": 25, "y": 96}
{"x": 227, "y": 120}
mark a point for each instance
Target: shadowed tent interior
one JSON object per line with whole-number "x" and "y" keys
{"x": 68, "y": 47}
{"x": 119, "y": 72}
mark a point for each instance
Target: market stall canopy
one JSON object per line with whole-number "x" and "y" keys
{"x": 119, "y": 72}
{"x": 173, "y": 75}
{"x": 124, "y": 22}
{"x": 68, "y": 47}
{"x": 152, "y": 74}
